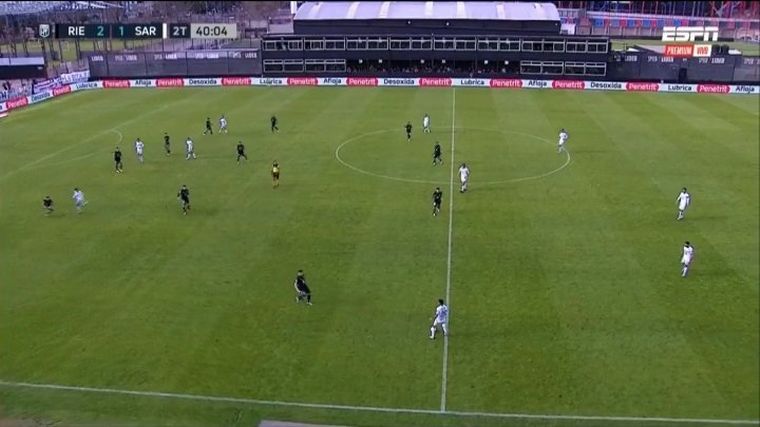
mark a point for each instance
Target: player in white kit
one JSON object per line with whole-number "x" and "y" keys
{"x": 189, "y": 151}
{"x": 139, "y": 147}
{"x": 426, "y": 123}
{"x": 464, "y": 177}
{"x": 686, "y": 258}
{"x": 222, "y": 124}
{"x": 683, "y": 200}
{"x": 562, "y": 140}
{"x": 79, "y": 200}
{"x": 441, "y": 319}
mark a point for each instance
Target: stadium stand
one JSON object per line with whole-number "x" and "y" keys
{"x": 18, "y": 8}
{"x": 433, "y": 38}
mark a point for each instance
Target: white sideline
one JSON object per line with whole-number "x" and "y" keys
{"x": 445, "y": 369}
{"x": 224, "y": 399}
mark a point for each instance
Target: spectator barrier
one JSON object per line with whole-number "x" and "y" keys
{"x": 723, "y": 89}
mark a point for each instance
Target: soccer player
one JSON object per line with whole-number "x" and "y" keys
{"x": 47, "y": 205}
{"x": 437, "y": 158}
{"x": 139, "y": 146}
{"x": 241, "y": 151}
{"x": 189, "y": 151}
{"x": 275, "y": 174}
{"x": 222, "y": 124}
{"x": 79, "y": 201}
{"x": 686, "y": 257}
{"x": 464, "y": 177}
{"x": 683, "y": 200}
{"x": 167, "y": 144}
{"x": 302, "y": 289}
{"x": 562, "y": 140}
{"x": 408, "y": 128}
{"x": 208, "y": 130}
{"x": 273, "y": 122}
{"x": 426, "y": 123}
{"x": 437, "y": 197}
{"x": 441, "y": 319}
{"x": 184, "y": 197}
{"x": 117, "y": 160}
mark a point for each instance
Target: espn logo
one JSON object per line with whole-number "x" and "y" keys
{"x": 689, "y": 34}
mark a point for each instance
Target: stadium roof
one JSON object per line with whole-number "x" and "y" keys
{"x": 427, "y": 10}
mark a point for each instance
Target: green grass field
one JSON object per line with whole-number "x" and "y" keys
{"x": 564, "y": 277}
{"x": 747, "y": 49}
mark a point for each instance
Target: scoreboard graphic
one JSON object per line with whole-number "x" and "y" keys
{"x": 139, "y": 31}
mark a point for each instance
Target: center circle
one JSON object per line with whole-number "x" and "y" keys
{"x": 494, "y": 156}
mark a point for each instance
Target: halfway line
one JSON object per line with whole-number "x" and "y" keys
{"x": 445, "y": 368}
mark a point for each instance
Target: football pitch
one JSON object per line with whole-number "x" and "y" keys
{"x": 561, "y": 270}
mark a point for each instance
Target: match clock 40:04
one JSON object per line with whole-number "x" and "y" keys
{"x": 213, "y": 31}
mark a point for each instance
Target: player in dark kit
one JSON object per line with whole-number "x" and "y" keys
{"x": 437, "y": 198}
{"x": 437, "y": 159}
{"x": 47, "y": 205}
{"x": 167, "y": 144}
{"x": 408, "y": 128}
{"x": 274, "y": 127}
{"x": 184, "y": 198}
{"x": 302, "y": 289}
{"x": 241, "y": 151}
{"x": 117, "y": 160}
{"x": 208, "y": 127}
{"x": 275, "y": 174}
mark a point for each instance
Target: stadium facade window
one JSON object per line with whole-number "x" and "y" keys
{"x": 575, "y": 68}
{"x": 322, "y": 65}
{"x": 530, "y": 67}
{"x": 401, "y": 44}
{"x": 552, "y": 67}
{"x": 596, "y": 68}
{"x": 314, "y": 65}
{"x": 335, "y": 44}
{"x": 273, "y": 66}
{"x": 597, "y": 46}
{"x": 509, "y": 45}
{"x": 554, "y": 46}
{"x": 488, "y": 45}
{"x": 295, "y": 45}
{"x": 315, "y": 44}
{"x": 444, "y": 43}
{"x": 380, "y": 43}
{"x": 335, "y": 65}
{"x": 465, "y": 44}
{"x": 422, "y": 43}
{"x": 293, "y": 65}
{"x": 356, "y": 44}
{"x": 576, "y": 46}
{"x": 533, "y": 45}
{"x": 271, "y": 45}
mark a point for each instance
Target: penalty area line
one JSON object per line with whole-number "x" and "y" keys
{"x": 241, "y": 400}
